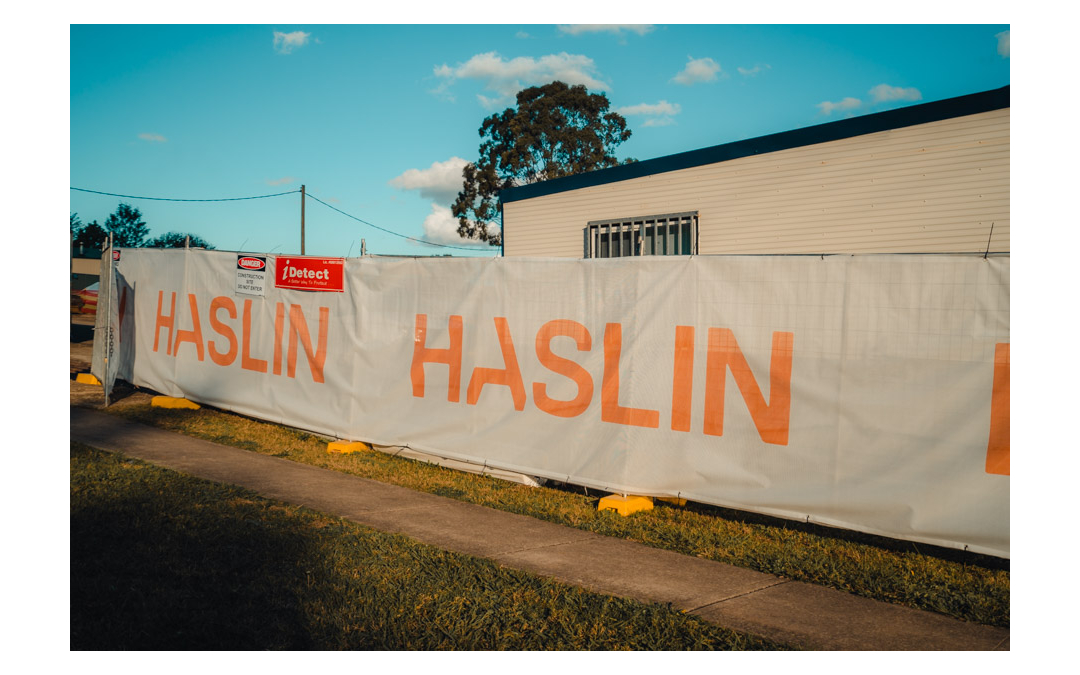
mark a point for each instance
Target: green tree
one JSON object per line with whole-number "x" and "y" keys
{"x": 556, "y": 130}
{"x": 177, "y": 240}
{"x": 127, "y": 226}
{"x": 76, "y": 226}
{"x": 91, "y": 236}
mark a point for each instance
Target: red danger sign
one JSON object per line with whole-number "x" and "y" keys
{"x": 310, "y": 274}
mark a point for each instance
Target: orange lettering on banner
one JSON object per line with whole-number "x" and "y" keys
{"x": 682, "y": 383}
{"x": 610, "y": 410}
{"x": 163, "y": 321}
{"x": 450, "y": 356}
{"x": 194, "y": 335}
{"x": 223, "y": 330}
{"x": 510, "y": 376}
{"x": 564, "y": 367}
{"x": 772, "y": 419}
{"x": 279, "y": 329}
{"x": 997, "y": 449}
{"x": 246, "y": 362}
{"x": 298, "y": 328}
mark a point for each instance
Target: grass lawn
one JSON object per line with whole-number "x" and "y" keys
{"x": 966, "y": 586}
{"x": 164, "y": 561}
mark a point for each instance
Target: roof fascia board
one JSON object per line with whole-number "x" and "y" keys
{"x": 935, "y": 111}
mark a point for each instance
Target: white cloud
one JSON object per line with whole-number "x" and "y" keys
{"x": 1003, "y": 43}
{"x": 750, "y": 72}
{"x": 884, "y": 92}
{"x": 285, "y": 180}
{"x": 659, "y": 114}
{"x": 615, "y": 28}
{"x": 441, "y": 182}
{"x": 698, "y": 70}
{"x": 153, "y": 138}
{"x": 660, "y": 108}
{"x": 441, "y": 226}
{"x": 284, "y": 43}
{"x": 849, "y": 103}
{"x": 507, "y": 77}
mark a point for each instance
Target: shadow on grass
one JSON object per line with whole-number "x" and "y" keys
{"x": 163, "y": 561}
{"x": 153, "y": 570}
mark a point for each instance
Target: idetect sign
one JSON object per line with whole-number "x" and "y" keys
{"x": 310, "y": 274}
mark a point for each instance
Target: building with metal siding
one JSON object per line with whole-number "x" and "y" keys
{"x": 928, "y": 178}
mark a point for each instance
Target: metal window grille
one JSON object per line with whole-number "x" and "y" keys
{"x": 669, "y": 234}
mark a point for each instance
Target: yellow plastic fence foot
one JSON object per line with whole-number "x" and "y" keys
{"x": 677, "y": 501}
{"x": 345, "y": 447}
{"x": 173, "y": 402}
{"x": 86, "y": 378}
{"x": 625, "y": 504}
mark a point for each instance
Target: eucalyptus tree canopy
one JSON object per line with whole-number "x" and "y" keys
{"x": 556, "y": 130}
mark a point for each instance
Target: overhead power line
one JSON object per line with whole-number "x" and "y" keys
{"x": 170, "y": 199}
{"x": 396, "y": 234}
{"x": 290, "y": 192}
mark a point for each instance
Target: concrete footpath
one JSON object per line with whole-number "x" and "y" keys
{"x": 789, "y": 612}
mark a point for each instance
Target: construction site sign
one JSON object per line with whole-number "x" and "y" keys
{"x": 250, "y": 274}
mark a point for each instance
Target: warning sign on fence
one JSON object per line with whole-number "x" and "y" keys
{"x": 250, "y": 275}
{"x": 311, "y": 274}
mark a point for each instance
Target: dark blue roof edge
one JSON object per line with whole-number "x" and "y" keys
{"x": 934, "y": 111}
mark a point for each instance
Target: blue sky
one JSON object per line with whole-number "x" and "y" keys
{"x": 377, "y": 120}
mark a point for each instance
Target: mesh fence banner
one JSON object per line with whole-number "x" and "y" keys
{"x": 103, "y": 364}
{"x": 865, "y": 392}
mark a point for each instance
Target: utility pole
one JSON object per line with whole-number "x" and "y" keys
{"x": 303, "y": 196}
{"x": 363, "y": 248}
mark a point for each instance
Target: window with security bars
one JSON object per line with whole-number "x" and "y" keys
{"x": 670, "y": 234}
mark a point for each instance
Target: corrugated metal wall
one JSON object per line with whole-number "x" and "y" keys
{"x": 928, "y": 188}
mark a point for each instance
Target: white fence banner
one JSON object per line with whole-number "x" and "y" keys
{"x": 103, "y": 363}
{"x": 865, "y": 392}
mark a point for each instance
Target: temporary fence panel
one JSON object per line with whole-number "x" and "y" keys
{"x": 104, "y": 364}
{"x": 865, "y": 392}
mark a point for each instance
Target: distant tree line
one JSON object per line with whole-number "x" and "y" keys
{"x": 129, "y": 231}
